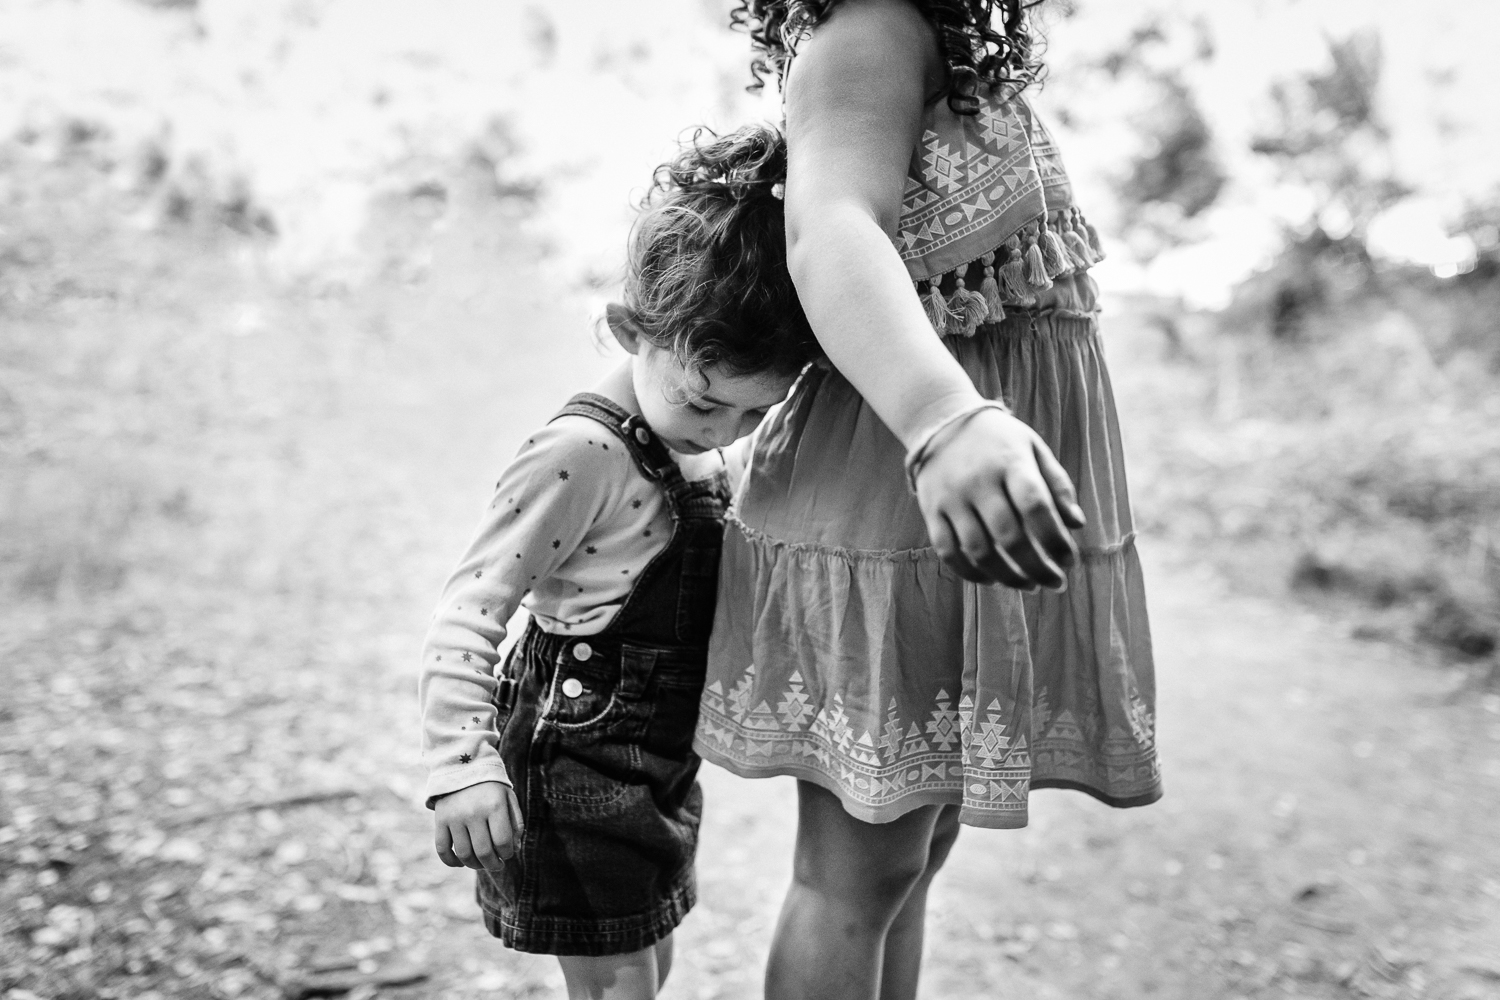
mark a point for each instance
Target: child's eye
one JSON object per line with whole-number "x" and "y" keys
{"x": 700, "y": 409}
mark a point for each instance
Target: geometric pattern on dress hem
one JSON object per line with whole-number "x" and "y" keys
{"x": 983, "y": 764}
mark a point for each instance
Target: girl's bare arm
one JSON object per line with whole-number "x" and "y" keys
{"x": 855, "y": 99}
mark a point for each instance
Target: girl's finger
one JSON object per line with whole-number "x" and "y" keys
{"x": 980, "y": 551}
{"x": 517, "y": 821}
{"x": 463, "y": 851}
{"x": 502, "y": 837}
{"x": 995, "y": 562}
{"x": 949, "y": 545}
{"x": 998, "y": 542}
{"x": 993, "y": 513}
{"x": 1045, "y": 546}
{"x": 1061, "y": 486}
{"x": 484, "y": 850}
{"x": 943, "y": 541}
{"x": 443, "y": 841}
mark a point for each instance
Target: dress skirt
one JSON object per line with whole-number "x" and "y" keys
{"x": 845, "y": 653}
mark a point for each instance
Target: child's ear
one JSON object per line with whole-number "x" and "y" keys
{"x": 623, "y": 324}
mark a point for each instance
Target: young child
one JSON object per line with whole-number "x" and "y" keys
{"x": 568, "y": 782}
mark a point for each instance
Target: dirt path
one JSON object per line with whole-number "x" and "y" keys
{"x": 1328, "y": 831}
{"x": 253, "y": 493}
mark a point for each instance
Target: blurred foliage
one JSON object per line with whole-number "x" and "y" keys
{"x": 1314, "y": 275}
{"x": 1337, "y": 426}
{"x": 1181, "y": 170}
{"x": 1481, "y": 223}
{"x": 1350, "y": 405}
{"x": 1177, "y": 175}
{"x": 1328, "y": 137}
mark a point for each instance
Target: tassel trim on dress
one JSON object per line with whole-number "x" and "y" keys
{"x": 1057, "y": 244}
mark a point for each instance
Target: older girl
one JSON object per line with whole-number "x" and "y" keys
{"x": 942, "y": 262}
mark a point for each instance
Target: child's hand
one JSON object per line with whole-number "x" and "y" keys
{"x": 476, "y": 827}
{"x": 998, "y": 505}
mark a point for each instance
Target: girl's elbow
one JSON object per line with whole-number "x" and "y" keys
{"x": 813, "y": 238}
{"x": 799, "y": 259}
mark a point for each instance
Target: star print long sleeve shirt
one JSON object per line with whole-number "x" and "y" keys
{"x": 571, "y": 524}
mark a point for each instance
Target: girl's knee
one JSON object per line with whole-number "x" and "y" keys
{"x": 663, "y": 960}
{"x": 632, "y": 976}
{"x": 870, "y": 868}
{"x": 873, "y": 882}
{"x": 944, "y": 836}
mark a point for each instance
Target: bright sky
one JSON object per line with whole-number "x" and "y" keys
{"x": 1437, "y": 98}
{"x": 317, "y": 104}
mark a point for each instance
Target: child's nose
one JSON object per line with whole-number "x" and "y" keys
{"x": 722, "y": 435}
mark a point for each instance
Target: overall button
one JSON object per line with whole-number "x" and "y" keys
{"x": 642, "y": 435}
{"x": 572, "y": 687}
{"x": 583, "y": 651}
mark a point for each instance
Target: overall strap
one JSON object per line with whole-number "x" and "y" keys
{"x": 650, "y": 455}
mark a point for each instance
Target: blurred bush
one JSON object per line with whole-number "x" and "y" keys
{"x": 1338, "y": 428}
{"x": 1176, "y": 173}
{"x": 1327, "y": 137}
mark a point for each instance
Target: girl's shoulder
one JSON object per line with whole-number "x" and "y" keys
{"x": 582, "y": 441}
{"x": 576, "y": 465}
{"x": 580, "y": 455}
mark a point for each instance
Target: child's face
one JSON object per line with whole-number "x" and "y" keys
{"x": 694, "y": 412}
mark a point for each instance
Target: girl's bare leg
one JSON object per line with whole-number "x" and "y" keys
{"x": 663, "y": 960}
{"x": 850, "y": 882}
{"x": 903, "y": 942}
{"x": 636, "y": 976}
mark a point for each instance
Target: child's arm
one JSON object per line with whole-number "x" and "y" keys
{"x": 854, "y": 106}
{"x": 543, "y": 506}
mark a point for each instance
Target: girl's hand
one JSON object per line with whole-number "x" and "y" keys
{"x": 998, "y": 505}
{"x": 476, "y": 826}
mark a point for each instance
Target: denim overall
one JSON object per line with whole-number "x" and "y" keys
{"x": 596, "y": 733}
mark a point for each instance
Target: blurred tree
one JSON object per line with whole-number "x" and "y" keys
{"x": 1328, "y": 138}
{"x": 1180, "y": 168}
{"x": 1176, "y": 175}
{"x": 1314, "y": 272}
{"x": 1481, "y": 223}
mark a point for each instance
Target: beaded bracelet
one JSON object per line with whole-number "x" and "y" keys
{"x": 922, "y": 451}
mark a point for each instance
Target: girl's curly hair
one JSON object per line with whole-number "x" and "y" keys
{"x": 976, "y": 53}
{"x": 706, "y": 276}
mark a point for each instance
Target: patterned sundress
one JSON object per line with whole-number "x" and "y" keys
{"x": 844, "y": 652}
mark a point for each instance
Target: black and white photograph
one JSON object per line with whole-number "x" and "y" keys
{"x": 737, "y": 499}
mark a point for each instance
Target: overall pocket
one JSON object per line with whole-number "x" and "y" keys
{"x": 587, "y": 744}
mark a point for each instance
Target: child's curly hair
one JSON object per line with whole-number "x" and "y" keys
{"x": 975, "y": 52}
{"x": 706, "y": 276}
